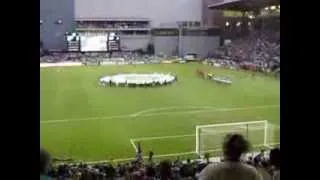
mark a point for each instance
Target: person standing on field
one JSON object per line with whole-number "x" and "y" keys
{"x": 139, "y": 152}
{"x": 150, "y": 155}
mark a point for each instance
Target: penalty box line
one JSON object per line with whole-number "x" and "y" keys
{"x": 133, "y": 145}
{"x": 161, "y": 137}
{"x": 134, "y": 140}
{"x": 173, "y": 154}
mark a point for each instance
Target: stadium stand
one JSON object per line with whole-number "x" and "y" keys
{"x": 260, "y": 47}
{"x": 234, "y": 147}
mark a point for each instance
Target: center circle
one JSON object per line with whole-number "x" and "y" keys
{"x": 138, "y": 79}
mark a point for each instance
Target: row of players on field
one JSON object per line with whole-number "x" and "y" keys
{"x": 141, "y": 83}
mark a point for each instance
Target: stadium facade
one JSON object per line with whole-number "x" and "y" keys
{"x": 160, "y": 12}
{"x": 56, "y": 18}
{"x": 174, "y": 27}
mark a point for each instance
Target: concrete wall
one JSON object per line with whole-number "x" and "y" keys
{"x": 158, "y": 11}
{"x": 52, "y": 34}
{"x": 134, "y": 42}
{"x": 166, "y": 44}
{"x": 201, "y": 45}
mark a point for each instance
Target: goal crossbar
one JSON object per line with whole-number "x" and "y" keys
{"x": 264, "y": 122}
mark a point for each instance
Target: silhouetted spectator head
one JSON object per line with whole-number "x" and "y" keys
{"x": 165, "y": 170}
{"x": 207, "y": 157}
{"x": 259, "y": 158}
{"x": 234, "y": 146}
{"x": 178, "y": 158}
{"x": 264, "y": 164}
{"x": 150, "y": 155}
{"x": 150, "y": 170}
{"x": 275, "y": 157}
{"x": 45, "y": 160}
{"x": 188, "y": 161}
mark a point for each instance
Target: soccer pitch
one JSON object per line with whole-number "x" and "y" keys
{"x": 83, "y": 121}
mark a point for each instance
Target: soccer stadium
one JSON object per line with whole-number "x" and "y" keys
{"x": 170, "y": 89}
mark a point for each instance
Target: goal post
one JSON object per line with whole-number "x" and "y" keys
{"x": 210, "y": 137}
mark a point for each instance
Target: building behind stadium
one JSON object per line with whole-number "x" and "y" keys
{"x": 171, "y": 27}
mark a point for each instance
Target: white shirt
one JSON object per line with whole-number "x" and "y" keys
{"x": 276, "y": 175}
{"x": 229, "y": 171}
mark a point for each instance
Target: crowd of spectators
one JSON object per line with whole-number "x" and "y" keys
{"x": 260, "y": 47}
{"x": 232, "y": 166}
{"x": 81, "y": 57}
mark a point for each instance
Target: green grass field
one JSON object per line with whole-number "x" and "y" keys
{"x": 81, "y": 120}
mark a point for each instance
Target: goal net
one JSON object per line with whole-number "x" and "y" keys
{"x": 209, "y": 138}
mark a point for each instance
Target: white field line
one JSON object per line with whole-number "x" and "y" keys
{"x": 268, "y": 146}
{"x": 170, "y": 108}
{"x": 199, "y": 107}
{"x": 159, "y": 114}
{"x": 180, "y": 136}
{"x": 162, "y": 137}
{"x": 272, "y": 126}
{"x": 274, "y": 143}
{"x": 133, "y": 145}
{"x": 214, "y": 132}
{"x": 169, "y": 155}
{"x": 133, "y": 140}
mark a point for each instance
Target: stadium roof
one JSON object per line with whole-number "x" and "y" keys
{"x": 243, "y": 5}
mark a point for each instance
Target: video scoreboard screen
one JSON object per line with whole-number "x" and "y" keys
{"x": 99, "y": 42}
{"x": 93, "y": 42}
{"x": 113, "y": 42}
{"x": 73, "y": 41}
